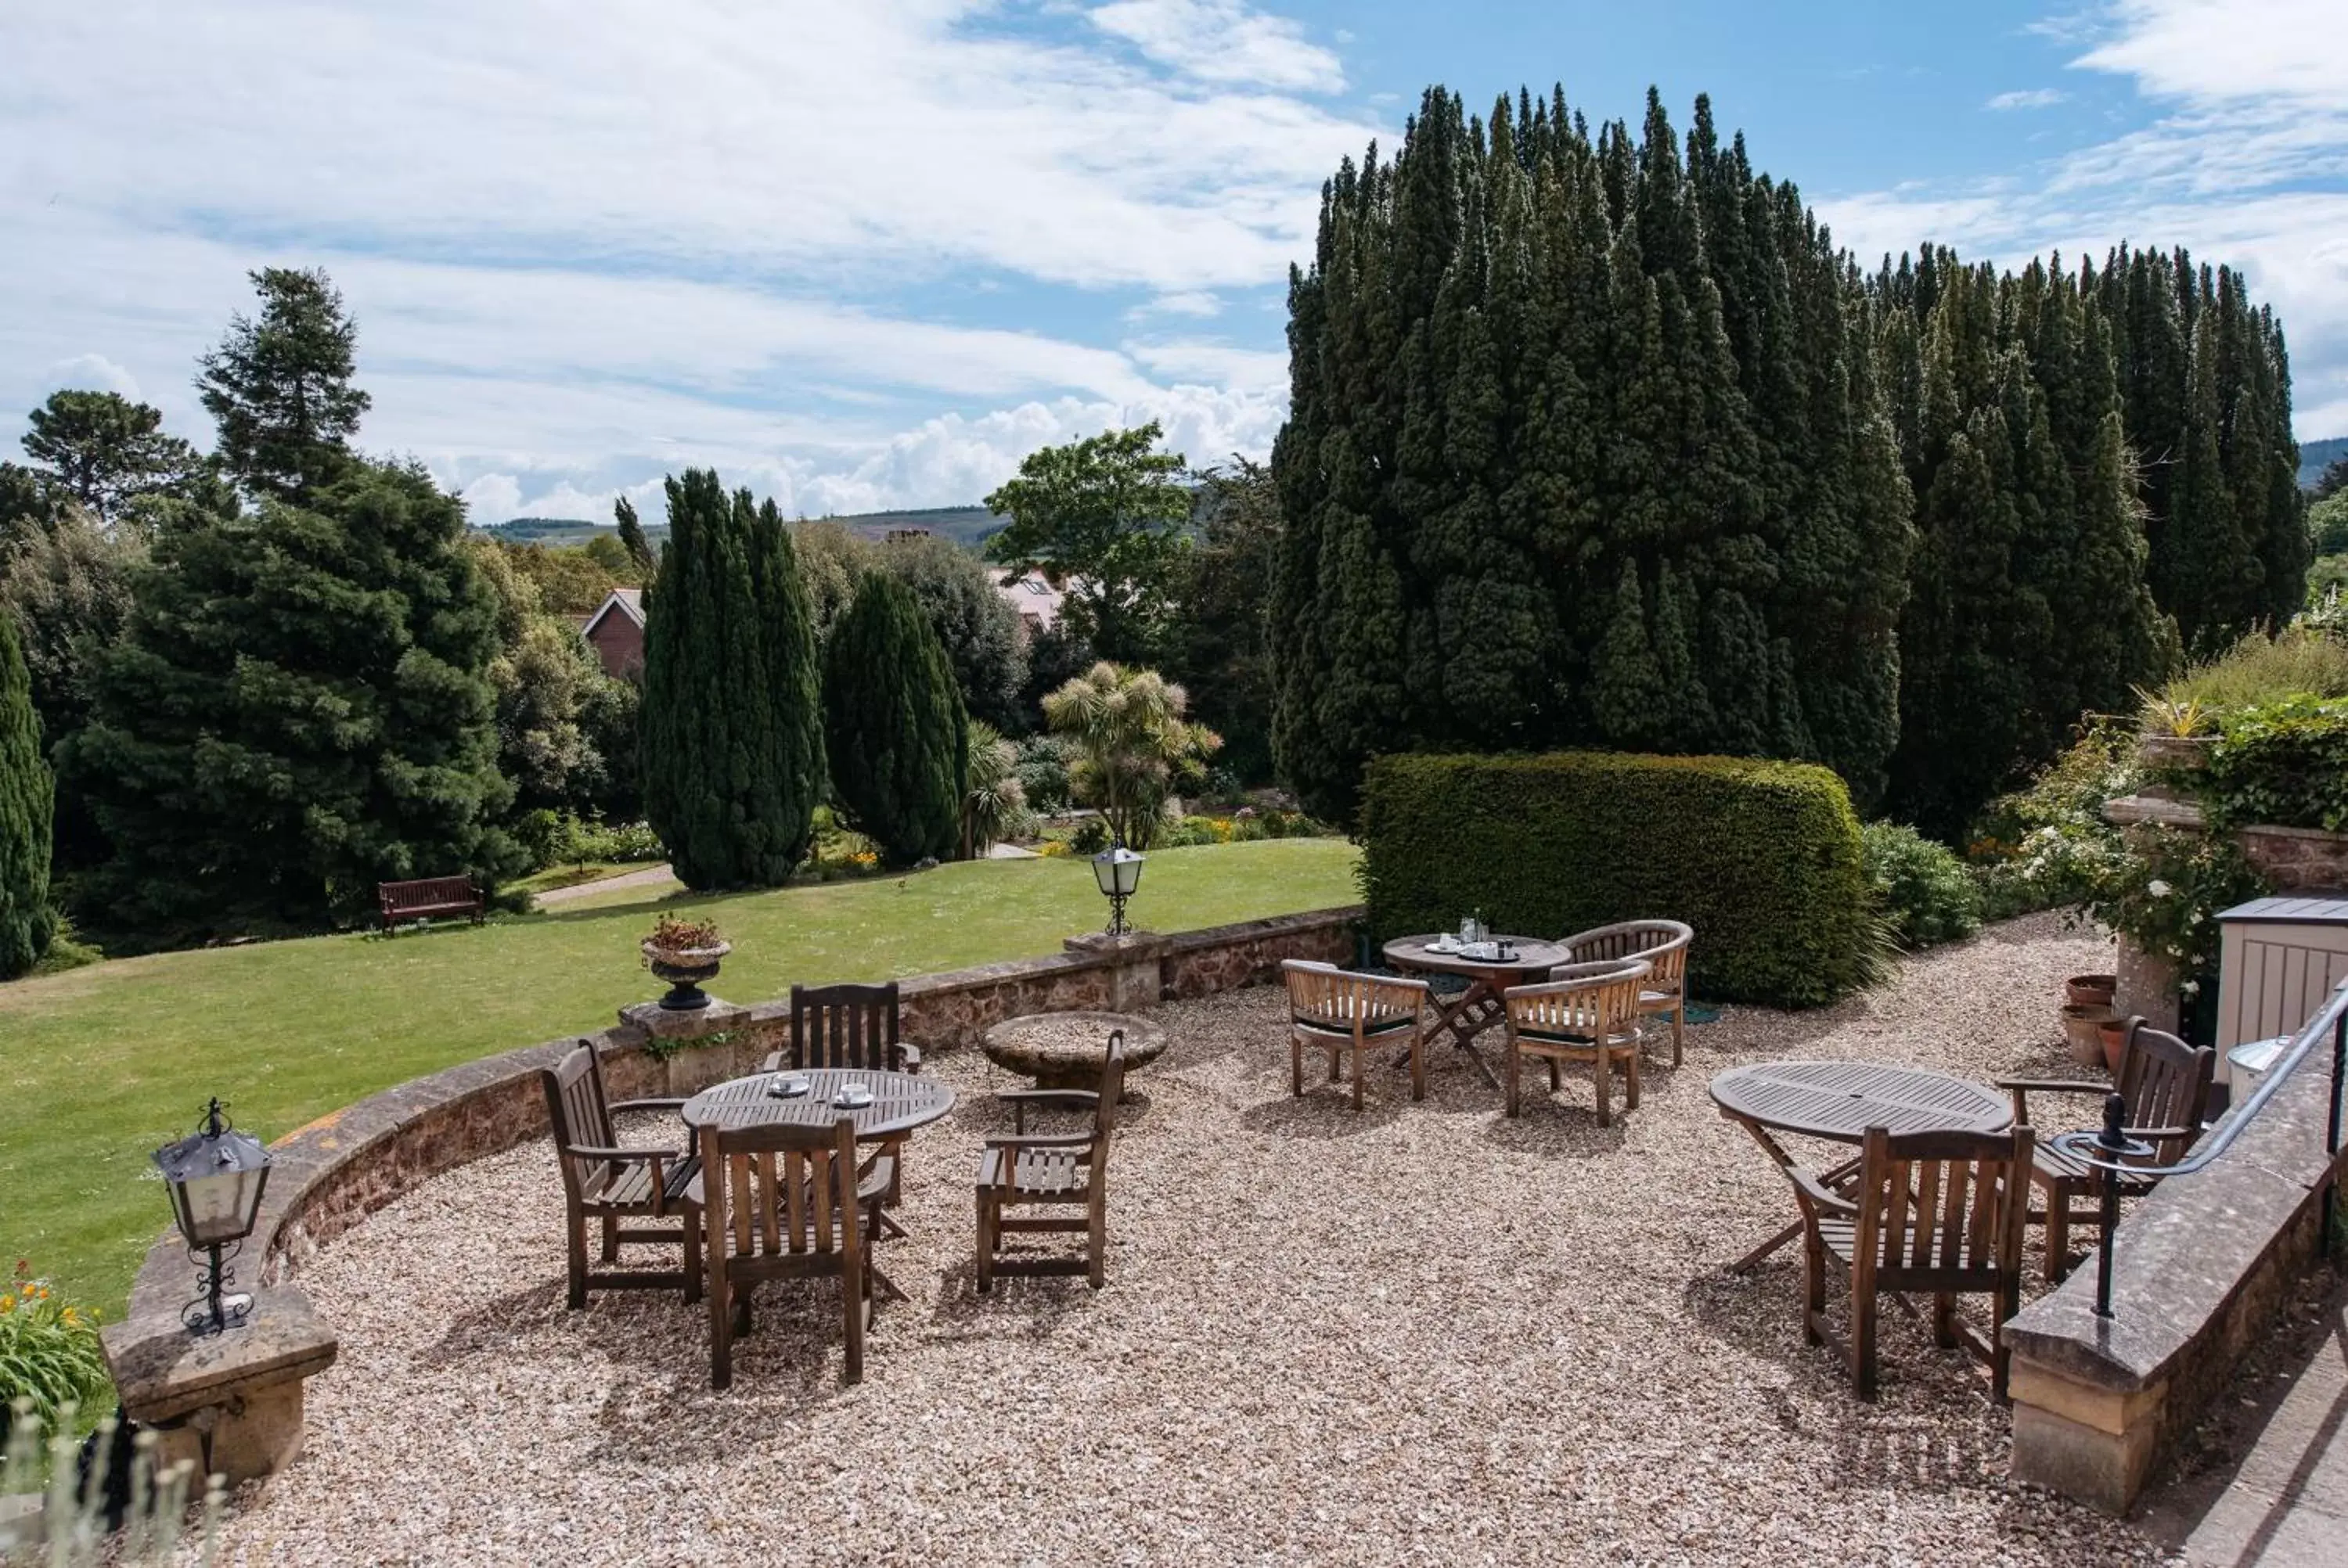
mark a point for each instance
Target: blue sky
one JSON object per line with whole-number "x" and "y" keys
{"x": 863, "y": 253}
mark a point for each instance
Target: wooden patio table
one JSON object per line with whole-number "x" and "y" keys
{"x": 1479, "y": 1007}
{"x": 1838, "y": 1102}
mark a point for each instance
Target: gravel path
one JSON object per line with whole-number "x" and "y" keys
{"x": 1422, "y": 1333}
{"x": 649, "y": 876}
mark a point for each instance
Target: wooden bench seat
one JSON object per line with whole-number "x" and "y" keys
{"x": 429, "y": 897}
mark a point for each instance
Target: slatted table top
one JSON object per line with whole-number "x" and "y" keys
{"x": 901, "y": 1102}
{"x": 1841, "y": 1100}
{"x": 1535, "y": 958}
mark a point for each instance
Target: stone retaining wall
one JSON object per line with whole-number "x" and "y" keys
{"x": 2199, "y": 1268}
{"x": 329, "y": 1175}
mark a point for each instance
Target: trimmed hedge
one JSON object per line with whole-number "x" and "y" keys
{"x": 1761, "y": 857}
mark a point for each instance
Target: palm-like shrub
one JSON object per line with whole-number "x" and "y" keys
{"x": 993, "y": 802}
{"x": 1133, "y": 745}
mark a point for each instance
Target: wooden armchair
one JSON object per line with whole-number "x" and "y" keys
{"x": 845, "y": 1026}
{"x": 1663, "y": 944}
{"x": 1584, "y": 1013}
{"x": 1939, "y": 1212}
{"x": 851, "y": 1026}
{"x": 1329, "y": 1009}
{"x": 613, "y": 1184}
{"x": 1053, "y": 1172}
{"x": 784, "y": 1202}
{"x": 2165, "y": 1085}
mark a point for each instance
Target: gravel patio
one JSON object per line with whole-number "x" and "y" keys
{"x": 1424, "y": 1333}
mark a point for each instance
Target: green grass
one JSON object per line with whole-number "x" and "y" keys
{"x": 101, "y": 1065}
{"x": 555, "y": 876}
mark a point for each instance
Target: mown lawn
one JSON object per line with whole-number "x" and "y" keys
{"x": 100, "y": 1065}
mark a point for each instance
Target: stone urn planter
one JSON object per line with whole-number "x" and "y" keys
{"x": 1067, "y": 1050}
{"x": 686, "y": 955}
{"x": 2175, "y": 754}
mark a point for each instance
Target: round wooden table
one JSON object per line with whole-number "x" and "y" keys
{"x": 1839, "y": 1100}
{"x": 1479, "y": 1007}
{"x": 901, "y": 1102}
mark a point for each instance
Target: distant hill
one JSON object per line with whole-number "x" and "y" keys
{"x": 2314, "y": 455}
{"x": 969, "y": 525}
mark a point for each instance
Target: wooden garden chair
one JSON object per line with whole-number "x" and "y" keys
{"x": 1934, "y": 1213}
{"x": 784, "y": 1201}
{"x": 851, "y": 1026}
{"x": 604, "y": 1181}
{"x": 1582, "y": 1013}
{"x": 1663, "y": 944}
{"x": 1331, "y": 1010}
{"x": 2164, "y": 1084}
{"x": 1054, "y": 1172}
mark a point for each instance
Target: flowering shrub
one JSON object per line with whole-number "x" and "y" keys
{"x": 2047, "y": 846}
{"x": 1923, "y": 890}
{"x": 48, "y": 1350}
{"x": 2283, "y": 762}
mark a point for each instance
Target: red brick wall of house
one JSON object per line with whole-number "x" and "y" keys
{"x": 619, "y": 643}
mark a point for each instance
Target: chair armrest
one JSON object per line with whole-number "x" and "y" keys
{"x": 593, "y": 1152}
{"x": 906, "y": 1056}
{"x": 1057, "y": 1099}
{"x": 1815, "y": 1191}
{"x": 1041, "y": 1141}
{"x": 2155, "y": 1134}
{"x": 2057, "y": 1085}
{"x": 771, "y": 1062}
{"x": 665, "y": 1103}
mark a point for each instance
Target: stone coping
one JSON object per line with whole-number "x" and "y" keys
{"x": 348, "y": 1162}
{"x": 161, "y": 1372}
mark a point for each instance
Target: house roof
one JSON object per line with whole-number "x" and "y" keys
{"x": 630, "y": 602}
{"x": 1036, "y": 600}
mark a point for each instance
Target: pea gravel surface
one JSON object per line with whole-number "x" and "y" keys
{"x": 1424, "y": 1333}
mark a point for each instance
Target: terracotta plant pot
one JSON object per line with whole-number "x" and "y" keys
{"x": 2091, "y": 990}
{"x": 2082, "y": 1026}
{"x": 2112, "y": 1033}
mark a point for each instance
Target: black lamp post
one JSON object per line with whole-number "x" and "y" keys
{"x": 215, "y": 1177}
{"x": 1119, "y": 871}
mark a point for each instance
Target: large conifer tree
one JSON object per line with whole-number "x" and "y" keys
{"x": 279, "y": 386}
{"x": 299, "y": 709}
{"x": 732, "y": 755}
{"x": 27, "y": 921}
{"x": 894, "y": 725}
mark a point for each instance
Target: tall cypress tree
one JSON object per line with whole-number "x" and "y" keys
{"x": 26, "y": 920}
{"x": 299, "y": 709}
{"x": 732, "y": 757}
{"x": 894, "y": 725}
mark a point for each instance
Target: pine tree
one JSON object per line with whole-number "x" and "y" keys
{"x": 109, "y": 453}
{"x": 894, "y": 726}
{"x": 732, "y": 758}
{"x": 279, "y": 387}
{"x": 633, "y": 539}
{"x": 28, "y": 922}
{"x": 299, "y": 709}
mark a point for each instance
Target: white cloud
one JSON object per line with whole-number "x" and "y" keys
{"x": 2033, "y": 98}
{"x": 1223, "y": 41}
{"x": 92, "y": 373}
{"x": 1189, "y": 302}
{"x": 2246, "y": 164}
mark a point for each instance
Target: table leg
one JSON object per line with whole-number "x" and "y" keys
{"x": 1833, "y": 1178}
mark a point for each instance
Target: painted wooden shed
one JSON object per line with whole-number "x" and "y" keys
{"x": 2281, "y": 958}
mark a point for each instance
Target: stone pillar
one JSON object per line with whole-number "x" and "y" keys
{"x": 2147, "y": 985}
{"x": 1136, "y": 979}
{"x": 230, "y": 1402}
{"x": 2081, "y": 1438}
{"x": 691, "y": 1070}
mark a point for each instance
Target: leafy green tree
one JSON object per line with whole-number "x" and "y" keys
{"x": 299, "y": 708}
{"x": 545, "y": 677}
{"x": 832, "y": 562}
{"x": 1223, "y": 648}
{"x": 279, "y": 386}
{"x": 27, "y": 921}
{"x": 1103, "y": 518}
{"x": 2327, "y": 524}
{"x": 69, "y": 587}
{"x": 569, "y": 581}
{"x": 2332, "y": 481}
{"x": 1132, "y": 744}
{"x": 894, "y": 725}
{"x": 108, "y": 452}
{"x": 732, "y": 753}
{"x": 633, "y": 539}
{"x": 979, "y": 632}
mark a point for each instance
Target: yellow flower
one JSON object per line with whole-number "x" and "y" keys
{"x": 7, "y": 1303}
{"x": 71, "y": 1316}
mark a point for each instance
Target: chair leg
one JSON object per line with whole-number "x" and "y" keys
{"x": 1096, "y": 1228}
{"x": 578, "y": 1239}
{"x": 2058, "y": 1231}
{"x": 1604, "y": 1075}
{"x": 1556, "y": 1076}
{"x": 1296, "y": 1064}
{"x": 610, "y": 1238}
{"x": 693, "y": 1282}
{"x": 1862, "y": 1342}
{"x": 856, "y": 1305}
{"x": 721, "y": 1318}
{"x": 1358, "y": 1074}
{"x": 987, "y": 1217}
{"x": 1679, "y": 1026}
{"x": 1419, "y": 1064}
{"x": 1944, "y": 1321}
{"x": 1630, "y": 1097}
{"x": 2001, "y": 1353}
{"x": 1814, "y": 1288}
{"x": 1516, "y": 1072}
{"x": 1336, "y": 1063}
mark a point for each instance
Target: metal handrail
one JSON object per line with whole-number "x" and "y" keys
{"x": 2112, "y": 1152}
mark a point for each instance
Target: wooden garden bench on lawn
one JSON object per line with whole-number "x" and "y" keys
{"x": 428, "y": 898}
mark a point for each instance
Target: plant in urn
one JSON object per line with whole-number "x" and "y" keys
{"x": 685, "y": 953}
